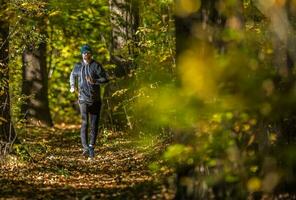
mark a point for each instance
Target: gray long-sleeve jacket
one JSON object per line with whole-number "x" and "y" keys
{"x": 89, "y": 91}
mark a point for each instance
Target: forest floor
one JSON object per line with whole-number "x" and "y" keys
{"x": 52, "y": 167}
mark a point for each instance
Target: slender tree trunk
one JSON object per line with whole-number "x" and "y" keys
{"x": 7, "y": 133}
{"x": 35, "y": 83}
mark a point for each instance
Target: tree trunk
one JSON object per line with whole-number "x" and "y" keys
{"x": 124, "y": 22}
{"x": 35, "y": 83}
{"x": 7, "y": 133}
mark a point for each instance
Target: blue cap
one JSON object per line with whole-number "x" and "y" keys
{"x": 85, "y": 48}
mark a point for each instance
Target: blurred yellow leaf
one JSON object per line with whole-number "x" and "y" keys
{"x": 186, "y": 7}
{"x": 254, "y": 169}
{"x": 246, "y": 127}
{"x": 197, "y": 75}
{"x": 253, "y": 122}
{"x": 272, "y": 138}
{"x": 254, "y": 184}
{"x": 54, "y": 13}
{"x": 251, "y": 140}
{"x": 217, "y": 118}
{"x": 269, "y": 51}
{"x": 177, "y": 152}
{"x": 229, "y": 115}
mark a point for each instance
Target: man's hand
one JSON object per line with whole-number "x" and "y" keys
{"x": 72, "y": 89}
{"x": 89, "y": 80}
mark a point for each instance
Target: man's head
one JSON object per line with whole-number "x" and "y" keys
{"x": 86, "y": 52}
{"x": 85, "y": 49}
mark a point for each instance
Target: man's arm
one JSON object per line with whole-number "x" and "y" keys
{"x": 72, "y": 80}
{"x": 102, "y": 76}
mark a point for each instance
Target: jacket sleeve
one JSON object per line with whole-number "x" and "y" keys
{"x": 73, "y": 76}
{"x": 102, "y": 76}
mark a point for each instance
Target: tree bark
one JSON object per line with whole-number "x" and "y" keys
{"x": 35, "y": 83}
{"x": 7, "y": 132}
{"x": 124, "y": 21}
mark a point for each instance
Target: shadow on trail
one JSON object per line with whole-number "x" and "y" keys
{"x": 23, "y": 190}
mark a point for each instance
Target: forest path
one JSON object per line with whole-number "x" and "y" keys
{"x": 59, "y": 171}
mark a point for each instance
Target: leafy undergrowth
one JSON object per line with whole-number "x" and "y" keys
{"x": 53, "y": 168}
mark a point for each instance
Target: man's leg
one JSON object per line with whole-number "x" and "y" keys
{"x": 94, "y": 126}
{"x": 84, "y": 126}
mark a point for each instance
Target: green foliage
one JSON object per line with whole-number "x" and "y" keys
{"x": 226, "y": 109}
{"x": 68, "y": 25}
{"x": 179, "y": 154}
{"x": 71, "y": 25}
{"x": 228, "y": 103}
{"x": 22, "y": 152}
{"x": 156, "y": 65}
{"x": 24, "y": 17}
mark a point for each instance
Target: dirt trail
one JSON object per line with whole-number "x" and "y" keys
{"x": 59, "y": 171}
